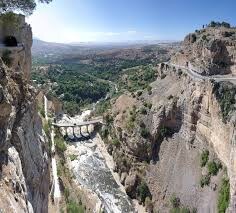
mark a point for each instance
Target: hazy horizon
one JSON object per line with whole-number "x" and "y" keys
{"x": 131, "y": 42}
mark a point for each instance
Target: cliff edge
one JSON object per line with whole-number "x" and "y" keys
{"x": 175, "y": 144}
{"x": 209, "y": 51}
{"x": 24, "y": 162}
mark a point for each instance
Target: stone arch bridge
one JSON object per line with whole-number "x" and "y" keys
{"x": 66, "y": 125}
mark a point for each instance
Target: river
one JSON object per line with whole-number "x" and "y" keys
{"x": 92, "y": 171}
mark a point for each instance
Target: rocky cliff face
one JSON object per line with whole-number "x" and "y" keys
{"x": 20, "y": 55}
{"x": 163, "y": 134}
{"x": 24, "y": 163}
{"x": 209, "y": 51}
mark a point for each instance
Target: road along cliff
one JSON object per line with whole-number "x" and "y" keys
{"x": 174, "y": 147}
{"x": 210, "y": 51}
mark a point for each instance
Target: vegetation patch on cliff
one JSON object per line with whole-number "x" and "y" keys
{"x": 177, "y": 207}
{"x": 224, "y": 196}
{"x": 72, "y": 198}
{"x": 213, "y": 168}
{"x": 204, "y": 158}
{"x": 225, "y": 94}
{"x": 138, "y": 78}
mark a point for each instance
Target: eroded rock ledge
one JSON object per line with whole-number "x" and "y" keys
{"x": 209, "y": 51}
{"x": 162, "y": 135}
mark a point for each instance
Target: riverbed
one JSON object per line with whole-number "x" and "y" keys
{"x": 92, "y": 166}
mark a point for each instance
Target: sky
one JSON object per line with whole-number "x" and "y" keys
{"x": 67, "y": 21}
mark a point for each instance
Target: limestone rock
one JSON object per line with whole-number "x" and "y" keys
{"x": 24, "y": 162}
{"x": 131, "y": 183}
{"x": 210, "y": 51}
{"x": 123, "y": 177}
{"x": 189, "y": 39}
{"x": 185, "y": 118}
{"x": 21, "y": 54}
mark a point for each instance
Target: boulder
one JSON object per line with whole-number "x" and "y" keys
{"x": 131, "y": 183}
{"x": 123, "y": 177}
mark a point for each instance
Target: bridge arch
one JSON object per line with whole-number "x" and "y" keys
{"x": 76, "y": 128}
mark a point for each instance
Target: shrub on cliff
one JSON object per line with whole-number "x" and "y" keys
{"x": 148, "y": 105}
{"x": 165, "y": 132}
{"x": 73, "y": 207}
{"x": 73, "y": 157}
{"x": 180, "y": 210}
{"x": 104, "y": 133}
{"x": 108, "y": 119}
{"x": 204, "y": 158}
{"x": 116, "y": 142}
{"x": 177, "y": 207}
{"x": 143, "y": 111}
{"x": 174, "y": 201}
{"x": 143, "y": 191}
{"x": 225, "y": 95}
{"x": 149, "y": 89}
{"x": 144, "y": 132}
{"x": 102, "y": 107}
{"x": 205, "y": 180}
{"x": 139, "y": 93}
{"x": 224, "y": 195}
{"x": 213, "y": 167}
{"x": 46, "y": 128}
{"x": 60, "y": 145}
{"x": 131, "y": 119}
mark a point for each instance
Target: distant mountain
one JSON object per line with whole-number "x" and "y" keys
{"x": 43, "y": 47}
{"x": 55, "y": 50}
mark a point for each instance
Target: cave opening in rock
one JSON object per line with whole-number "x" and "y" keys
{"x": 10, "y": 41}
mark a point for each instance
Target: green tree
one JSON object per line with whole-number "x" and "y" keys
{"x": 225, "y": 24}
{"x": 212, "y": 24}
{"x": 25, "y": 6}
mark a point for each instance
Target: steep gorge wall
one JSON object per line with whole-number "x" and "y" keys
{"x": 203, "y": 127}
{"x": 24, "y": 161}
{"x": 190, "y": 109}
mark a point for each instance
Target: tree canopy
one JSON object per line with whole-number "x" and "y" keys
{"x": 25, "y": 6}
{"x": 219, "y": 24}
